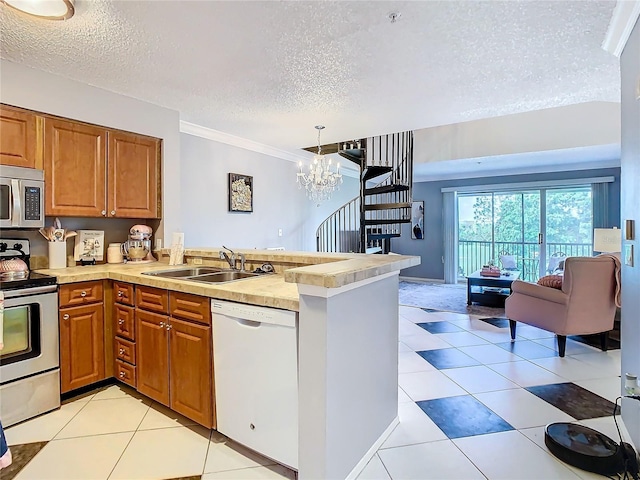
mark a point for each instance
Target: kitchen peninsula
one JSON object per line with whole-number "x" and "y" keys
{"x": 347, "y": 308}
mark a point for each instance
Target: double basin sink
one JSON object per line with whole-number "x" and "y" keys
{"x": 203, "y": 274}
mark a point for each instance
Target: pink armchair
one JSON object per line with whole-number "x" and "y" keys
{"x": 585, "y": 305}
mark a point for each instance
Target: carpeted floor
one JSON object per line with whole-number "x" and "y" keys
{"x": 453, "y": 298}
{"x": 443, "y": 296}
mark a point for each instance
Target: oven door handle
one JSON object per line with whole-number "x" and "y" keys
{"x": 22, "y": 292}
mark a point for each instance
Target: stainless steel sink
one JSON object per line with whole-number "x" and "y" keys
{"x": 184, "y": 272}
{"x": 222, "y": 277}
{"x": 203, "y": 274}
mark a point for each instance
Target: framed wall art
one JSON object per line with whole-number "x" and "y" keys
{"x": 417, "y": 220}
{"x": 240, "y": 193}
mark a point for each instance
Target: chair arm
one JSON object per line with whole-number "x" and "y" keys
{"x": 538, "y": 291}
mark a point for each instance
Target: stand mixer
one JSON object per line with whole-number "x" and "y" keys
{"x": 137, "y": 248}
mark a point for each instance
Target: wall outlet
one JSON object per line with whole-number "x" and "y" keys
{"x": 279, "y": 232}
{"x": 197, "y": 261}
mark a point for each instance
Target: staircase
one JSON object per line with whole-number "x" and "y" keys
{"x": 367, "y": 223}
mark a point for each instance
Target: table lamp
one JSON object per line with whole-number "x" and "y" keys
{"x": 607, "y": 240}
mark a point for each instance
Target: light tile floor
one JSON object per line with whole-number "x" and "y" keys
{"x": 117, "y": 434}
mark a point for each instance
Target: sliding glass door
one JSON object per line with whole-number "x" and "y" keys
{"x": 531, "y": 225}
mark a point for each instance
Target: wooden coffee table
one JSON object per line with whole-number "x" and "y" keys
{"x": 490, "y": 291}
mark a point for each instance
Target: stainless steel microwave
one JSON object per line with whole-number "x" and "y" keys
{"x": 21, "y": 197}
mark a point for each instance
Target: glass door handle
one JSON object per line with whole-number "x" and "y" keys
{"x": 540, "y": 237}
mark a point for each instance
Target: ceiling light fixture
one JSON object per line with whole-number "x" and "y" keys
{"x": 48, "y": 9}
{"x": 320, "y": 182}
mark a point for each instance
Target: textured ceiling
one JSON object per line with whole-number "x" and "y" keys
{"x": 269, "y": 71}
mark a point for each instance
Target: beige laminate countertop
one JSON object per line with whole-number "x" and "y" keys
{"x": 274, "y": 290}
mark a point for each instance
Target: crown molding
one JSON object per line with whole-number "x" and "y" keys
{"x": 228, "y": 139}
{"x": 624, "y": 17}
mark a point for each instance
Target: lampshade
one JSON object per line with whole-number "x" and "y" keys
{"x": 49, "y": 9}
{"x": 607, "y": 240}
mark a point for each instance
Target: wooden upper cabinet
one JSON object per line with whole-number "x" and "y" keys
{"x": 18, "y": 137}
{"x": 134, "y": 174}
{"x": 91, "y": 171}
{"x": 74, "y": 169}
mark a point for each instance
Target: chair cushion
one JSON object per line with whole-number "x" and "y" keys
{"x": 508, "y": 262}
{"x": 553, "y": 281}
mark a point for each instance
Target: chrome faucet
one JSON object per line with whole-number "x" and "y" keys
{"x": 232, "y": 261}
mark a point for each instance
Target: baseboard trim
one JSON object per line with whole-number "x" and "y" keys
{"x": 372, "y": 451}
{"x": 422, "y": 280}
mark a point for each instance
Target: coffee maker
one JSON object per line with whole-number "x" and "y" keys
{"x": 137, "y": 248}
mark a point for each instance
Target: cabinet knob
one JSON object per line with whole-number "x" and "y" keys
{"x": 169, "y": 327}
{"x": 83, "y": 294}
{"x": 252, "y": 426}
{"x": 122, "y": 375}
{"x": 113, "y": 212}
{"x": 121, "y": 351}
{"x": 120, "y": 321}
{"x": 104, "y": 213}
{"x": 65, "y": 316}
{"x": 161, "y": 324}
{"x": 120, "y": 294}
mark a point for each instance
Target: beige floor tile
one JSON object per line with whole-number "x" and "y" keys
{"x": 478, "y": 379}
{"x": 374, "y": 470}
{"x": 525, "y": 459}
{"x": 414, "y": 427}
{"x": 163, "y": 453}
{"x": 257, "y": 473}
{"x": 461, "y": 339}
{"x": 87, "y": 458}
{"x": 116, "y": 391}
{"x": 412, "y": 362}
{"x": 424, "y": 341}
{"x": 428, "y": 385}
{"x": 106, "y": 416}
{"x": 526, "y": 374}
{"x": 522, "y": 409}
{"x": 225, "y": 454}
{"x": 435, "y": 460}
{"x": 44, "y": 427}
{"x": 159, "y": 416}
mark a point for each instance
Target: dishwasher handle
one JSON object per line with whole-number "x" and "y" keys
{"x": 247, "y": 323}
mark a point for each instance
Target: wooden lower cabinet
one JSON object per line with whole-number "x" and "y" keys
{"x": 152, "y": 355}
{"x": 81, "y": 346}
{"x": 190, "y": 371}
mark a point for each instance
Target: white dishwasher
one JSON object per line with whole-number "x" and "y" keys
{"x": 255, "y": 359}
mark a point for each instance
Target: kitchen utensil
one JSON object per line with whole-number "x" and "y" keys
{"x": 138, "y": 247}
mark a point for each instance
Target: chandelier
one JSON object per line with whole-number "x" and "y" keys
{"x": 320, "y": 182}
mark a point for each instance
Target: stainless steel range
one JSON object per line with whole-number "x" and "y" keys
{"x": 29, "y": 361}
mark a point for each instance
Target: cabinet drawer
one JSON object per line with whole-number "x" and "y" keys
{"x": 125, "y": 350}
{"x": 74, "y": 294}
{"x": 190, "y": 307}
{"x": 123, "y": 293}
{"x": 154, "y": 299}
{"x": 126, "y": 373}
{"x": 124, "y": 320}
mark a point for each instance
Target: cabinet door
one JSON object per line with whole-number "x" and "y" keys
{"x": 191, "y": 373}
{"x": 134, "y": 176}
{"x": 74, "y": 169}
{"x": 81, "y": 346}
{"x": 18, "y": 140}
{"x": 152, "y": 352}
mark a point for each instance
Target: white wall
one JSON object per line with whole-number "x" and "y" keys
{"x": 41, "y": 91}
{"x": 277, "y": 202}
{"x": 630, "y": 210}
